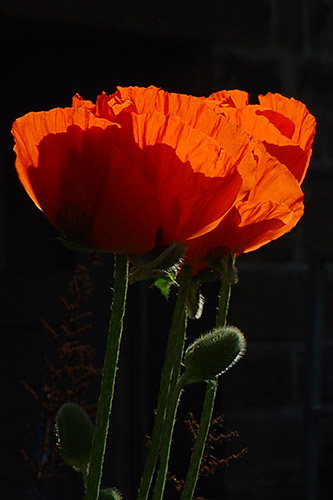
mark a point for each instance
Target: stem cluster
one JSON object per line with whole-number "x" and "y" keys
{"x": 171, "y": 387}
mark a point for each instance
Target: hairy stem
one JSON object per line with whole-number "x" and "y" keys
{"x": 210, "y": 394}
{"x": 170, "y": 374}
{"x": 167, "y": 438}
{"x": 108, "y": 378}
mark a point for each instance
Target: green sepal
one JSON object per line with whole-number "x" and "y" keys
{"x": 194, "y": 300}
{"x": 73, "y": 245}
{"x": 226, "y": 267}
{"x": 213, "y": 354}
{"x": 161, "y": 263}
{"x": 74, "y": 432}
{"x": 207, "y": 276}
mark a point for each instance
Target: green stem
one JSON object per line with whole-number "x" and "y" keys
{"x": 108, "y": 378}
{"x": 200, "y": 442}
{"x": 210, "y": 394}
{"x": 224, "y": 299}
{"x": 170, "y": 374}
{"x": 167, "y": 437}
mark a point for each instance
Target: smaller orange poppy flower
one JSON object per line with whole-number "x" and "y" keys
{"x": 284, "y": 130}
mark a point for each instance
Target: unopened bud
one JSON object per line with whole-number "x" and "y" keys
{"x": 214, "y": 353}
{"x": 110, "y": 494}
{"x": 74, "y": 435}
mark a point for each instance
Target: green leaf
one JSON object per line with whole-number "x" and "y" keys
{"x": 165, "y": 282}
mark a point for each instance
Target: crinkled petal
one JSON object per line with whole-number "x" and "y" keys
{"x": 196, "y": 114}
{"x": 29, "y": 130}
{"x": 276, "y": 132}
{"x": 245, "y": 228}
{"x": 67, "y": 161}
{"x": 297, "y": 112}
{"x": 273, "y": 208}
{"x": 195, "y": 181}
{"x": 78, "y": 102}
{"x": 234, "y": 98}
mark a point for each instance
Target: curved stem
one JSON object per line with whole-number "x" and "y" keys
{"x": 210, "y": 394}
{"x": 108, "y": 378}
{"x": 170, "y": 374}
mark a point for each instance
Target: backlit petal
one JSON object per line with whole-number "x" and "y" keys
{"x": 144, "y": 167}
{"x": 68, "y": 163}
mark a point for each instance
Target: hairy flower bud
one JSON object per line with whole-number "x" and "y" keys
{"x": 74, "y": 435}
{"x": 214, "y": 353}
{"x": 110, "y": 494}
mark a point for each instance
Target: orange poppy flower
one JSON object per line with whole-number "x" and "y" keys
{"x": 142, "y": 168}
{"x": 122, "y": 181}
{"x": 284, "y": 130}
{"x": 278, "y": 135}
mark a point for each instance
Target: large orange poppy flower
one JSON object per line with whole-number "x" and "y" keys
{"x": 278, "y": 133}
{"x": 142, "y": 168}
{"x": 123, "y": 181}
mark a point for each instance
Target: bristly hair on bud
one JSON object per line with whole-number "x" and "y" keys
{"x": 74, "y": 432}
{"x": 213, "y": 354}
{"x": 110, "y": 494}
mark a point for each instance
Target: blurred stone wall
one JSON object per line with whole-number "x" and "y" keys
{"x": 52, "y": 49}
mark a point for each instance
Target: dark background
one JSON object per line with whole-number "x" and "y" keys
{"x": 50, "y": 51}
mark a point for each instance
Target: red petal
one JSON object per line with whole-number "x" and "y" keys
{"x": 89, "y": 190}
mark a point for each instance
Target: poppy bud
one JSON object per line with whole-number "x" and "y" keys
{"x": 214, "y": 353}
{"x": 110, "y": 494}
{"x": 74, "y": 435}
